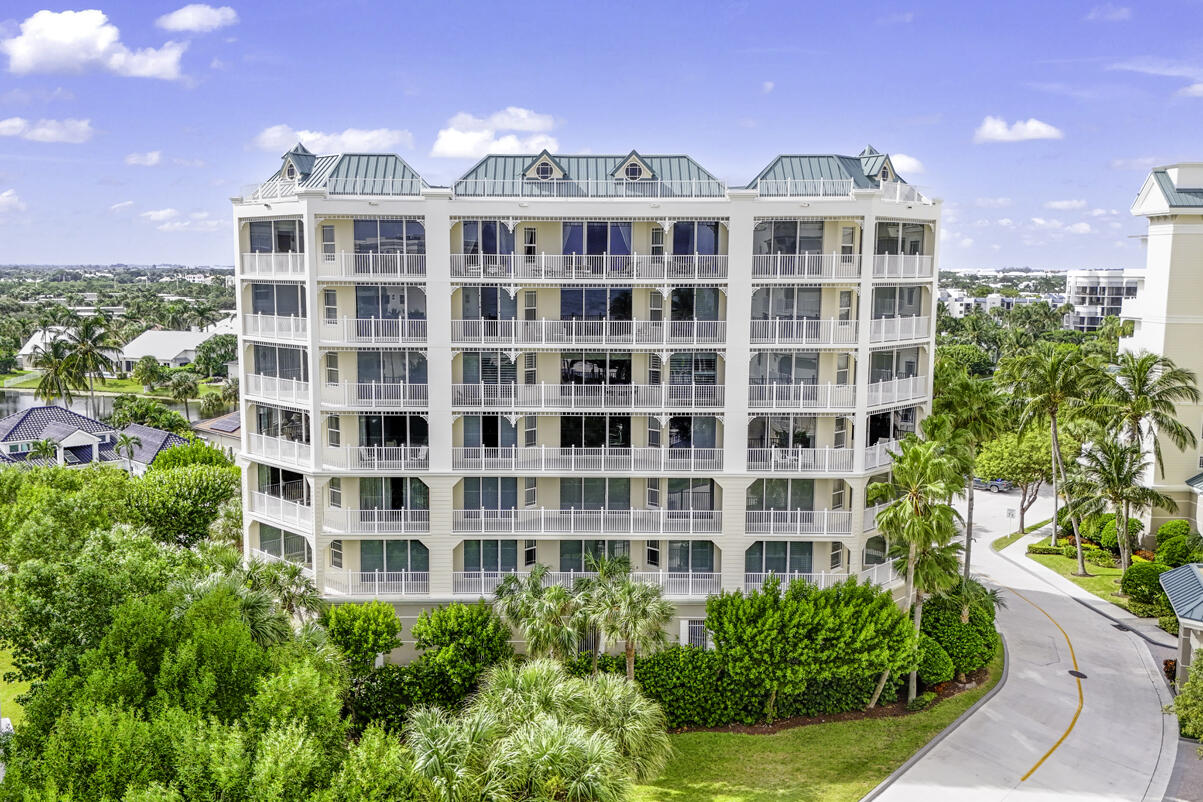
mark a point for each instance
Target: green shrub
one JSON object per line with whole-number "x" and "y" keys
{"x": 459, "y": 642}
{"x": 1188, "y": 704}
{"x": 1070, "y": 550}
{"x": 921, "y": 701}
{"x": 1100, "y": 557}
{"x": 693, "y": 689}
{"x": 1169, "y": 623}
{"x": 935, "y": 666}
{"x": 363, "y": 631}
{"x": 1065, "y": 526}
{"x": 197, "y": 452}
{"x": 970, "y": 645}
{"x": 1107, "y": 538}
{"x": 1172, "y": 528}
{"x": 1140, "y": 582}
{"x": 1174, "y": 551}
{"x": 386, "y": 695}
{"x": 1092, "y": 525}
{"x": 1035, "y": 549}
{"x": 179, "y": 504}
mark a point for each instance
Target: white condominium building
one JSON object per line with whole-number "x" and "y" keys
{"x": 562, "y": 356}
{"x": 1097, "y": 294}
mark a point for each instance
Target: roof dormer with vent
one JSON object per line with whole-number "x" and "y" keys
{"x": 544, "y": 167}
{"x": 633, "y": 168}
{"x": 298, "y": 163}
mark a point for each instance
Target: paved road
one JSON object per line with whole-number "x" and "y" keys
{"x": 1037, "y": 738}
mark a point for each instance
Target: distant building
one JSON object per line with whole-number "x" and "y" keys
{"x": 1098, "y": 294}
{"x": 79, "y": 440}
{"x": 225, "y": 431}
{"x": 171, "y": 349}
{"x": 39, "y": 339}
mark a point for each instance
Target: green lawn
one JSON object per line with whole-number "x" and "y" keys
{"x": 1006, "y": 540}
{"x": 122, "y": 386}
{"x": 822, "y": 762}
{"x": 10, "y": 690}
{"x": 1103, "y": 582}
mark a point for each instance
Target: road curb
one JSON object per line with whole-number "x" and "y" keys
{"x": 944, "y": 733}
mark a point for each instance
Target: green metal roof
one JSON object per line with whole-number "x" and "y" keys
{"x": 1176, "y": 196}
{"x": 1184, "y": 587}
{"x": 819, "y": 166}
{"x": 302, "y": 158}
{"x": 496, "y": 174}
{"x": 351, "y": 173}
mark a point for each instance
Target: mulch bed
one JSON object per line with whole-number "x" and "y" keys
{"x": 943, "y": 691}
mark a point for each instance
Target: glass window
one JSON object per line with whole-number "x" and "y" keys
{"x": 810, "y": 236}
{"x": 691, "y": 555}
{"x": 875, "y": 550}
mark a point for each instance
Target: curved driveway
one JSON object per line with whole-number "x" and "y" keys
{"x": 1036, "y": 738}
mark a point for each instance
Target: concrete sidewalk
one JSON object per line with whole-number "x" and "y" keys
{"x": 1037, "y": 738}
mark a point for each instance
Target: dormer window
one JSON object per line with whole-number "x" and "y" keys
{"x": 290, "y": 172}
{"x": 544, "y": 170}
{"x": 633, "y": 171}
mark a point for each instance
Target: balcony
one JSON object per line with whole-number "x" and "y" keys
{"x": 878, "y": 456}
{"x": 290, "y": 558}
{"x": 372, "y": 265}
{"x": 276, "y": 327}
{"x": 893, "y": 391}
{"x": 542, "y": 459}
{"x": 373, "y": 331}
{"x": 288, "y": 513}
{"x": 882, "y": 575}
{"x": 897, "y": 265}
{"x": 585, "y": 397}
{"x": 804, "y": 187}
{"x": 900, "y": 192}
{"x": 376, "y": 584}
{"x": 830, "y": 523}
{"x": 589, "y": 332}
{"x": 376, "y": 395}
{"x": 376, "y": 521}
{"x": 870, "y": 521}
{"x": 802, "y": 396}
{"x": 898, "y": 329}
{"x": 800, "y": 460}
{"x": 284, "y": 188}
{"x": 383, "y": 459}
{"x": 290, "y": 391}
{"x": 805, "y": 266}
{"x": 565, "y": 188}
{"x": 804, "y": 332}
{"x": 572, "y": 267}
{"x": 538, "y": 521}
{"x": 279, "y": 449}
{"x": 273, "y": 265}
{"x": 676, "y": 584}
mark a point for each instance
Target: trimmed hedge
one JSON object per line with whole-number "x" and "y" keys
{"x": 970, "y": 645}
{"x": 1176, "y": 551}
{"x": 1172, "y": 528}
{"x": 1100, "y": 557}
{"x": 1140, "y": 582}
{"x": 935, "y": 666}
{"x": 1034, "y": 549}
{"x": 1108, "y": 539}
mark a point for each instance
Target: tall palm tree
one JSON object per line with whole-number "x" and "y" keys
{"x": 548, "y": 616}
{"x": 1140, "y": 401}
{"x": 43, "y": 450}
{"x": 595, "y": 593}
{"x": 184, "y": 385}
{"x": 635, "y": 614}
{"x": 93, "y": 351}
{"x": 1049, "y": 382}
{"x": 918, "y": 519}
{"x": 126, "y": 444}
{"x": 59, "y": 377}
{"x": 935, "y": 569}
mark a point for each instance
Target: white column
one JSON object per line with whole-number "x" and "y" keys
{"x": 860, "y": 420}
{"x": 438, "y": 332}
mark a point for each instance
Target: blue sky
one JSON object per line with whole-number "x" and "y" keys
{"x": 124, "y": 130}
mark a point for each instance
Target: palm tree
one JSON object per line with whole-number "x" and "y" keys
{"x": 548, "y": 616}
{"x": 1141, "y": 398}
{"x": 93, "y": 352}
{"x": 183, "y": 385}
{"x": 972, "y": 593}
{"x": 594, "y": 593}
{"x": 635, "y": 614}
{"x": 293, "y": 591}
{"x": 44, "y": 450}
{"x": 1049, "y": 381}
{"x": 935, "y": 568}
{"x": 126, "y": 444}
{"x": 918, "y": 519}
{"x": 58, "y": 375}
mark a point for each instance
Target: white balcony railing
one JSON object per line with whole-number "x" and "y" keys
{"x": 681, "y": 584}
{"x": 804, "y": 187}
{"x": 290, "y": 558}
{"x": 373, "y": 330}
{"x": 291, "y": 513}
{"x": 376, "y": 584}
{"x": 800, "y": 460}
{"x": 900, "y": 192}
{"x": 586, "y": 460}
{"x": 834, "y": 523}
{"x": 870, "y": 521}
{"x": 802, "y": 396}
{"x": 522, "y": 187}
{"x": 805, "y": 332}
{"x": 347, "y": 185}
{"x": 376, "y": 521}
{"x": 279, "y": 448}
{"x": 897, "y": 265}
{"x": 378, "y": 458}
{"x": 273, "y": 265}
{"x": 590, "y": 332}
{"x": 276, "y": 327}
{"x": 895, "y": 329}
{"x": 567, "y": 522}
{"x": 372, "y": 265}
{"x": 588, "y": 396}
{"x": 376, "y": 395}
{"x": 909, "y": 388}
{"x": 883, "y": 575}
{"x": 755, "y": 581}
{"x": 806, "y": 266}
{"x": 287, "y": 390}
{"x": 878, "y": 456}
{"x": 602, "y": 267}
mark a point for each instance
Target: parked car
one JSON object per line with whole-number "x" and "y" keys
{"x": 993, "y": 485}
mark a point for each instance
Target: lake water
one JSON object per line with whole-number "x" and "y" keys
{"x": 12, "y": 401}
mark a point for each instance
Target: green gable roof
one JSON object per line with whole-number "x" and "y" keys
{"x": 350, "y": 174}
{"x": 1177, "y": 196}
{"x": 499, "y": 174}
{"x": 861, "y": 170}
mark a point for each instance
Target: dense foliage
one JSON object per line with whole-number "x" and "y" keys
{"x": 935, "y": 666}
{"x": 179, "y": 504}
{"x": 129, "y": 408}
{"x": 1109, "y": 540}
{"x": 196, "y": 452}
{"x": 1172, "y": 528}
{"x": 363, "y": 632}
{"x": 1188, "y": 704}
{"x": 970, "y": 645}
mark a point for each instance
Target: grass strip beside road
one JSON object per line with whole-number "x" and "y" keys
{"x": 1006, "y": 540}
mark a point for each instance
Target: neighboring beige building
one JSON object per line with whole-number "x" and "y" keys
{"x": 1171, "y": 313}
{"x": 560, "y": 356}
{"x": 1099, "y": 294}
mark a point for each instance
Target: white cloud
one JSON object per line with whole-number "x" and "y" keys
{"x": 906, "y": 164}
{"x": 191, "y": 225}
{"x": 9, "y": 202}
{"x": 1194, "y": 90}
{"x": 76, "y": 41}
{"x": 467, "y": 136}
{"x": 1005, "y": 222}
{"x": 1047, "y": 224}
{"x": 1079, "y": 228}
{"x": 280, "y": 138}
{"x": 767, "y": 87}
{"x": 981, "y": 222}
{"x": 159, "y": 215}
{"x": 992, "y": 203}
{"x": 1138, "y": 163}
{"x": 1109, "y": 12}
{"x": 1103, "y": 212}
{"x": 966, "y": 242}
{"x": 197, "y": 18}
{"x": 117, "y": 207}
{"x": 148, "y": 159}
{"x": 995, "y": 129}
{"x": 1063, "y": 205}
{"x": 71, "y": 131}
{"x": 199, "y": 215}
{"x": 188, "y": 162}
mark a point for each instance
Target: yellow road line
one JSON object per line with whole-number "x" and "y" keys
{"x": 1078, "y": 680}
